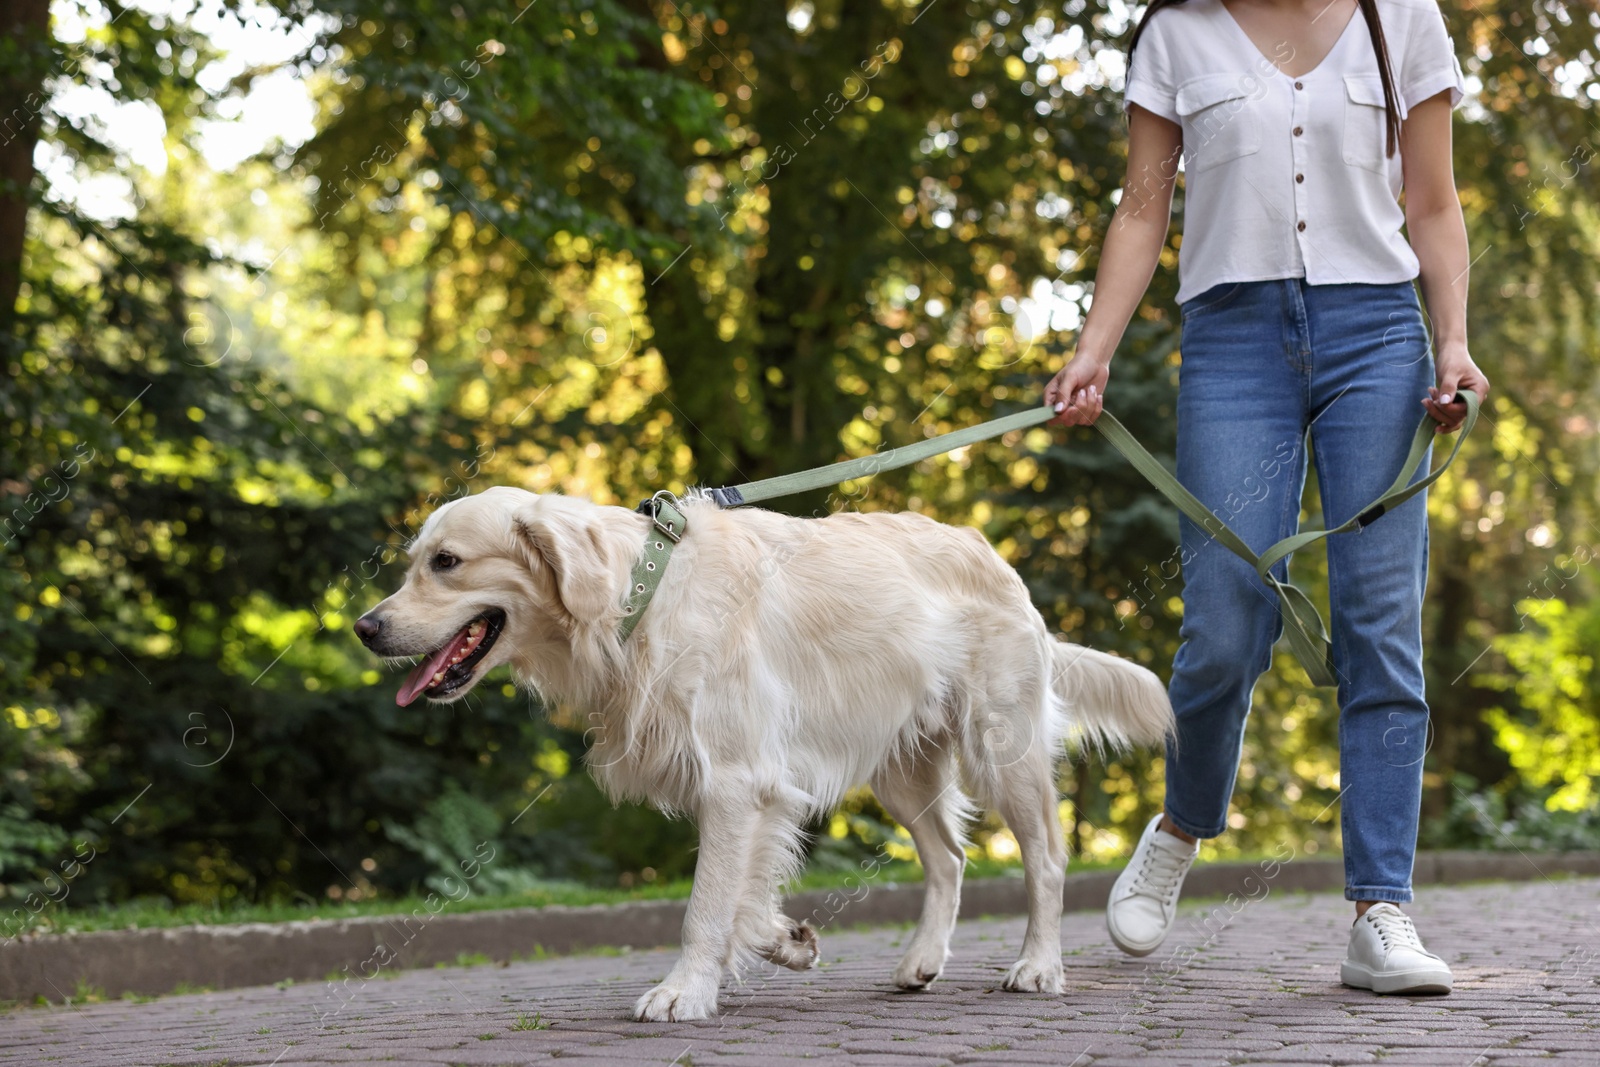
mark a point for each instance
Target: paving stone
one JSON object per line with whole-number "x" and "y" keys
{"x": 1259, "y": 988}
{"x": 1583, "y": 1041}
{"x": 1026, "y": 1056}
{"x": 739, "y": 1059}
{"x": 1330, "y": 1053}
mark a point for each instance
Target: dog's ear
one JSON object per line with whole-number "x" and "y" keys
{"x": 578, "y": 553}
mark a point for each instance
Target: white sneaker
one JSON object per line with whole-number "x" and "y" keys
{"x": 1386, "y": 956}
{"x": 1144, "y": 901}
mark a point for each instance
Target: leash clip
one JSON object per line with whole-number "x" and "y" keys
{"x": 726, "y": 497}
{"x": 668, "y": 528}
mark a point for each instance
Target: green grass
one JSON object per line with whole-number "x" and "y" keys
{"x": 465, "y": 959}
{"x": 147, "y": 914}
{"x": 159, "y": 913}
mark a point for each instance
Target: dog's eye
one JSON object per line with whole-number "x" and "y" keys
{"x": 444, "y": 561}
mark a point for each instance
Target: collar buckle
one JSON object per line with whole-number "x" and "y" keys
{"x": 666, "y": 514}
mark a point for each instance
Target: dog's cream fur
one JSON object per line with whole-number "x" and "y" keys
{"x": 782, "y": 662}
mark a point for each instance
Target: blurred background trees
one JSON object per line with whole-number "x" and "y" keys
{"x": 608, "y": 247}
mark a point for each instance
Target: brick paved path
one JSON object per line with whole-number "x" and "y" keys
{"x": 1256, "y": 985}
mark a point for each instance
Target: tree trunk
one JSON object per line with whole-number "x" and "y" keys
{"x": 25, "y": 24}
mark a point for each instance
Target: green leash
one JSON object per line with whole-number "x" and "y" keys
{"x": 1308, "y": 638}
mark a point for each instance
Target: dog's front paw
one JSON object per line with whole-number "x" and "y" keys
{"x": 920, "y": 966}
{"x": 675, "y": 1001}
{"x": 1034, "y": 976}
{"x": 797, "y": 947}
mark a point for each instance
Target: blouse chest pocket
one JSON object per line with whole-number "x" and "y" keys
{"x": 1217, "y": 122}
{"x": 1366, "y": 123}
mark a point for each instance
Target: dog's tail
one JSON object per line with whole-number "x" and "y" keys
{"x": 1109, "y": 700}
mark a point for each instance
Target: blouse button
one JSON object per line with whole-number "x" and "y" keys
{"x": 1299, "y": 85}
{"x": 1298, "y": 130}
{"x": 1301, "y": 226}
{"x": 1299, "y": 178}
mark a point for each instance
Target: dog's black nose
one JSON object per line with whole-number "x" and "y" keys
{"x": 367, "y": 628}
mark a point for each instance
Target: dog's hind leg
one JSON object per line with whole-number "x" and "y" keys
{"x": 924, "y": 795}
{"x": 1025, "y": 796}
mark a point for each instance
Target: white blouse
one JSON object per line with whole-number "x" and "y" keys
{"x": 1287, "y": 177}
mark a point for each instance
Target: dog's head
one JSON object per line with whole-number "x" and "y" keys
{"x": 496, "y": 578}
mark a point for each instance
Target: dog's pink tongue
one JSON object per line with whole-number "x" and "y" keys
{"x": 421, "y": 677}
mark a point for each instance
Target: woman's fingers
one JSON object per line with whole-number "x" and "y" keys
{"x": 1070, "y": 407}
{"x": 1077, "y": 405}
{"x": 1065, "y": 412}
{"x": 1052, "y": 399}
{"x": 1087, "y": 403}
{"x": 1448, "y": 414}
{"x": 1443, "y": 402}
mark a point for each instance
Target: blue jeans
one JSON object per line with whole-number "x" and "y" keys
{"x": 1262, "y": 362}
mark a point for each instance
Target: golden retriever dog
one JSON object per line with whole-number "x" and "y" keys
{"x": 782, "y": 662}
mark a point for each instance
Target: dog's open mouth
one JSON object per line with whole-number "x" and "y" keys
{"x": 450, "y": 668}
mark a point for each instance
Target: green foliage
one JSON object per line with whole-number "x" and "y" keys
{"x": 1502, "y": 820}
{"x": 28, "y": 846}
{"x": 457, "y": 835}
{"x": 1555, "y": 743}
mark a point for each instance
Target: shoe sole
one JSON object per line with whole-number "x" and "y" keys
{"x": 1132, "y": 948}
{"x": 1359, "y": 976}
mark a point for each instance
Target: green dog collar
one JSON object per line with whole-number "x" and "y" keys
{"x": 667, "y": 527}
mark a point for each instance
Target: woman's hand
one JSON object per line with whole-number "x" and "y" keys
{"x": 1456, "y": 373}
{"x": 1077, "y": 392}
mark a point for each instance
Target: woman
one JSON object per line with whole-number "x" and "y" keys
{"x": 1297, "y": 121}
